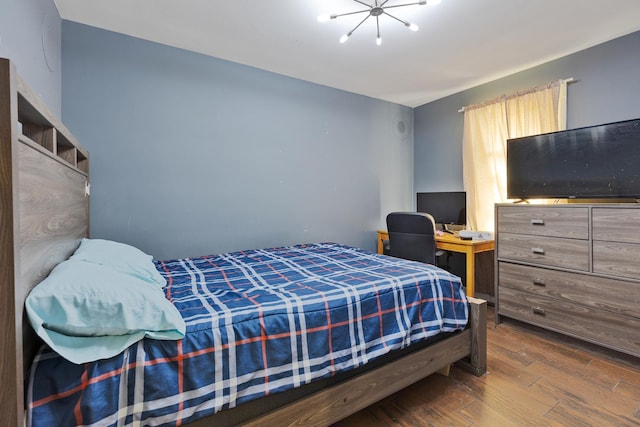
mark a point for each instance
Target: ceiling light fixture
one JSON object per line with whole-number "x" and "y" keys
{"x": 377, "y": 9}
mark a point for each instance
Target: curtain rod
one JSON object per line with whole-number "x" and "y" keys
{"x": 462, "y": 110}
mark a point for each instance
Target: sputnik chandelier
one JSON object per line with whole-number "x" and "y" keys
{"x": 377, "y": 9}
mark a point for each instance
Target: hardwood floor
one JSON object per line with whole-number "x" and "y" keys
{"x": 535, "y": 378}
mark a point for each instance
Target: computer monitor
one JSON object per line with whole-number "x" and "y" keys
{"x": 449, "y": 207}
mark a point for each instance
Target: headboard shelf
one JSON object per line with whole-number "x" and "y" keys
{"x": 39, "y": 125}
{"x": 41, "y": 135}
{"x": 44, "y": 213}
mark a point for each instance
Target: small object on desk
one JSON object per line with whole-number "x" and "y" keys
{"x": 439, "y": 233}
{"x": 475, "y": 235}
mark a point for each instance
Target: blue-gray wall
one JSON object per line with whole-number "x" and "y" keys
{"x": 607, "y": 89}
{"x": 23, "y": 23}
{"x": 193, "y": 155}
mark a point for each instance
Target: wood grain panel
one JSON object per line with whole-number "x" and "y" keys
{"x": 616, "y": 224}
{"x": 53, "y": 213}
{"x": 11, "y": 368}
{"x": 570, "y": 222}
{"x": 477, "y": 319}
{"x": 612, "y": 330}
{"x": 597, "y": 292}
{"x": 617, "y": 259}
{"x": 551, "y": 251}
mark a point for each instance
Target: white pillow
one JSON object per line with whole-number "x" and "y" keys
{"x": 119, "y": 256}
{"x": 88, "y": 311}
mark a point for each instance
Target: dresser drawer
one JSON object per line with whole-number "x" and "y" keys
{"x": 594, "y": 291}
{"x": 616, "y": 331}
{"x": 544, "y": 221}
{"x": 616, "y": 224}
{"x": 617, "y": 259}
{"x": 550, "y": 251}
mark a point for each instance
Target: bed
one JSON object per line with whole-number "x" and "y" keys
{"x": 44, "y": 211}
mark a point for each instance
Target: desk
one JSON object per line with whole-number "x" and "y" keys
{"x": 449, "y": 242}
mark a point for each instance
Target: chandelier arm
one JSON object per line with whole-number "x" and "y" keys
{"x": 356, "y": 27}
{"x": 352, "y": 13}
{"x": 397, "y": 19}
{"x": 383, "y": 3}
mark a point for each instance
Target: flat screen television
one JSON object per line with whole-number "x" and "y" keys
{"x": 592, "y": 162}
{"x": 446, "y": 207}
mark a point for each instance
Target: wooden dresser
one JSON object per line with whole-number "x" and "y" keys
{"x": 573, "y": 269}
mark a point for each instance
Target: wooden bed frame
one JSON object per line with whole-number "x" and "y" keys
{"x": 44, "y": 213}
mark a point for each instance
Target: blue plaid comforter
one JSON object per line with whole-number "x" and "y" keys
{"x": 258, "y": 322}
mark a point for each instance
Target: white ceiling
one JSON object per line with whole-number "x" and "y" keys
{"x": 460, "y": 44}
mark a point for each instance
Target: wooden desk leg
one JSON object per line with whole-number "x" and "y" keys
{"x": 471, "y": 273}
{"x": 382, "y": 235}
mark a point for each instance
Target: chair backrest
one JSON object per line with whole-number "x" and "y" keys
{"x": 412, "y": 236}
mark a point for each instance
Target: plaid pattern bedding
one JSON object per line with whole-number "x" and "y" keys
{"x": 258, "y": 322}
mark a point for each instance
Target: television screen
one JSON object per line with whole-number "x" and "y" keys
{"x": 445, "y": 207}
{"x": 591, "y": 162}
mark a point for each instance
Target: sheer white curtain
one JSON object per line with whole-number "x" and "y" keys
{"x": 487, "y": 127}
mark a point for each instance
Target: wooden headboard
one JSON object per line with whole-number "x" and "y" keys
{"x": 44, "y": 213}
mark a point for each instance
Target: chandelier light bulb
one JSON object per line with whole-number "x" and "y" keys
{"x": 378, "y": 40}
{"x": 326, "y": 17}
{"x": 433, "y": 2}
{"x": 344, "y": 38}
{"x": 413, "y": 27}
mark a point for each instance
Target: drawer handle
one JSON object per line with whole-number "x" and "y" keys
{"x": 539, "y": 282}
{"x": 539, "y": 251}
{"x": 538, "y": 311}
{"x": 537, "y": 222}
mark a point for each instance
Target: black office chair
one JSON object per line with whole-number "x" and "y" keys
{"x": 412, "y": 236}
